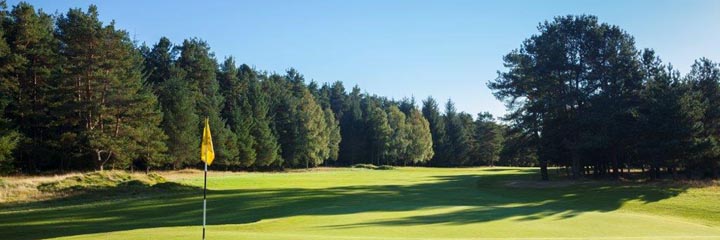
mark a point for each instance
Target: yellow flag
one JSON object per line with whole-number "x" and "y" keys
{"x": 207, "y": 153}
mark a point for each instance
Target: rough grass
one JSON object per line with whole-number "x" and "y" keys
{"x": 407, "y": 203}
{"x": 105, "y": 184}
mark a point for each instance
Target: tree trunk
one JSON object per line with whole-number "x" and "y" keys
{"x": 616, "y": 172}
{"x": 575, "y": 166}
{"x": 544, "y": 170}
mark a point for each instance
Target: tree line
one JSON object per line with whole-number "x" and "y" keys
{"x": 583, "y": 97}
{"x": 79, "y": 94}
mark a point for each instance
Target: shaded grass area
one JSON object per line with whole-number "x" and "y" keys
{"x": 473, "y": 196}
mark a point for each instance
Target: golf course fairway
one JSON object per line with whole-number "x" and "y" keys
{"x": 404, "y": 203}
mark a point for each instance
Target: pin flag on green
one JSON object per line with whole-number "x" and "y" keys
{"x": 207, "y": 155}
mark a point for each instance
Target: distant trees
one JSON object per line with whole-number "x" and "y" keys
{"x": 584, "y": 97}
{"x": 76, "y": 93}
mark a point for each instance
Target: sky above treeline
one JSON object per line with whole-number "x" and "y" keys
{"x": 446, "y": 49}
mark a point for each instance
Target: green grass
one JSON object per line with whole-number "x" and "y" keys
{"x": 405, "y": 203}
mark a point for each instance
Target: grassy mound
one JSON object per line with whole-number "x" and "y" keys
{"x": 373, "y": 167}
{"x": 101, "y": 180}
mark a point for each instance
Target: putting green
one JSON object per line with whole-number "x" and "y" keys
{"x": 407, "y": 203}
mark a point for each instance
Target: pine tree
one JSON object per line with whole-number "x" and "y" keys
{"x": 9, "y": 137}
{"x": 398, "y": 140}
{"x": 267, "y": 148}
{"x": 458, "y": 142}
{"x": 334, "y": 137}
{"x": 431, "y": 112}
{"x": 489, "y": 137}
{"x": 704, "y": 79}
{"x": 152, "y": 147}
{"x": 179, "y": 119}
{"x": 379, "y": 132}
{"x": 33, "y": 49}
{"x": 312, "y": 145}
{"x": 356, "y": 140}
{"x": 420, "y": 146}
{"x": 240, "y": 112}
{"x": 669, "y": 114}
{"x": 237, "y": 109}
{"x": 109, "y": 108}
{"x": 159, "y": 61}
{"x": 284, "y": 96}
{"x": 199, "y": 64}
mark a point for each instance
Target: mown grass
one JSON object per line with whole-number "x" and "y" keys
{"x": 404, "y": 203}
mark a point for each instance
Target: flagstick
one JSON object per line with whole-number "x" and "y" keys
{"x": 204, "y": 201}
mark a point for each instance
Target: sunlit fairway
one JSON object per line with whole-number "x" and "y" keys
{"x": 406, "y": 203}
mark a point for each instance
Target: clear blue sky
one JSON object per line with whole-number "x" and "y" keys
{"x": 447, "y": 49}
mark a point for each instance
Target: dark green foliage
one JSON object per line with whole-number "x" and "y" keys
{"x": 584, "y": 97}
{"x": 200, "y": 67}
{"x": 431, "y": 112}
{"x": 704, "y": 81}
{"x": 517, "y": 150}
{"x": 179, "y": 120}
{"x": 379, "y": 131}
{"x": 266, "y": 147}
{"x": 312, "y": 144}
{"x": 334, "y": 137}
{"x": 76, "y": 93}
{"x": 458, "y": 145}
{"x": 399, "y": 139}
{"x": 106, "y": 108}
{"x": 31, "y": 62}
{"x": 669, "y": 116}
{"x": 420, "y": 144}
{"x": 159, "y": 61}
{"x": 488, "y": 140}
{"x": 235, "y": 86}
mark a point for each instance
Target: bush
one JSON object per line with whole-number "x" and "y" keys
{"x": 373, "y": 167}
{"x": 385, "y": 167}
{"x": 366, "y": 166}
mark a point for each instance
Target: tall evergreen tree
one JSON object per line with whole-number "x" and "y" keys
{"x": 312, "y": 145}
{"x": 669, "y": 117}
{"x": 159, "y": 61}
{"x": 9, "y": 137}
{"x": 489, "y": 138}
{"x": 334, "y": 137}
{"x": 267, "y": 148}
{"x": 200, "y": 67}
{"x": 704, "y": 79}
{"x": 431, "y": 112}
{"x": 33, "y": 50}
{"x": 458, "y": 145}
{"x": 108, "y": 109}
{"x": 398, "y": 141}
{"x": 420, "y": 146}
{"x": 237, "y": 109}
{"x": 379, "y": 132}
{"x": 179, "y": 119}
{"x": 573, "y": 89}
{"x": 353, "y": 148}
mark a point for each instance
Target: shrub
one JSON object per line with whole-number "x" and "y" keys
{"x": 373, "y": 167}
{"x": 366, "y": 166}
{"x": 385, "y": 167}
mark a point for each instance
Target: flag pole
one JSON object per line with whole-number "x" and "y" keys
{"x": 204, "y": 201}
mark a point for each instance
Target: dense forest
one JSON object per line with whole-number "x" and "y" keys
{"x": 80, "y": 94}
{"x": 581, "y": 95}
